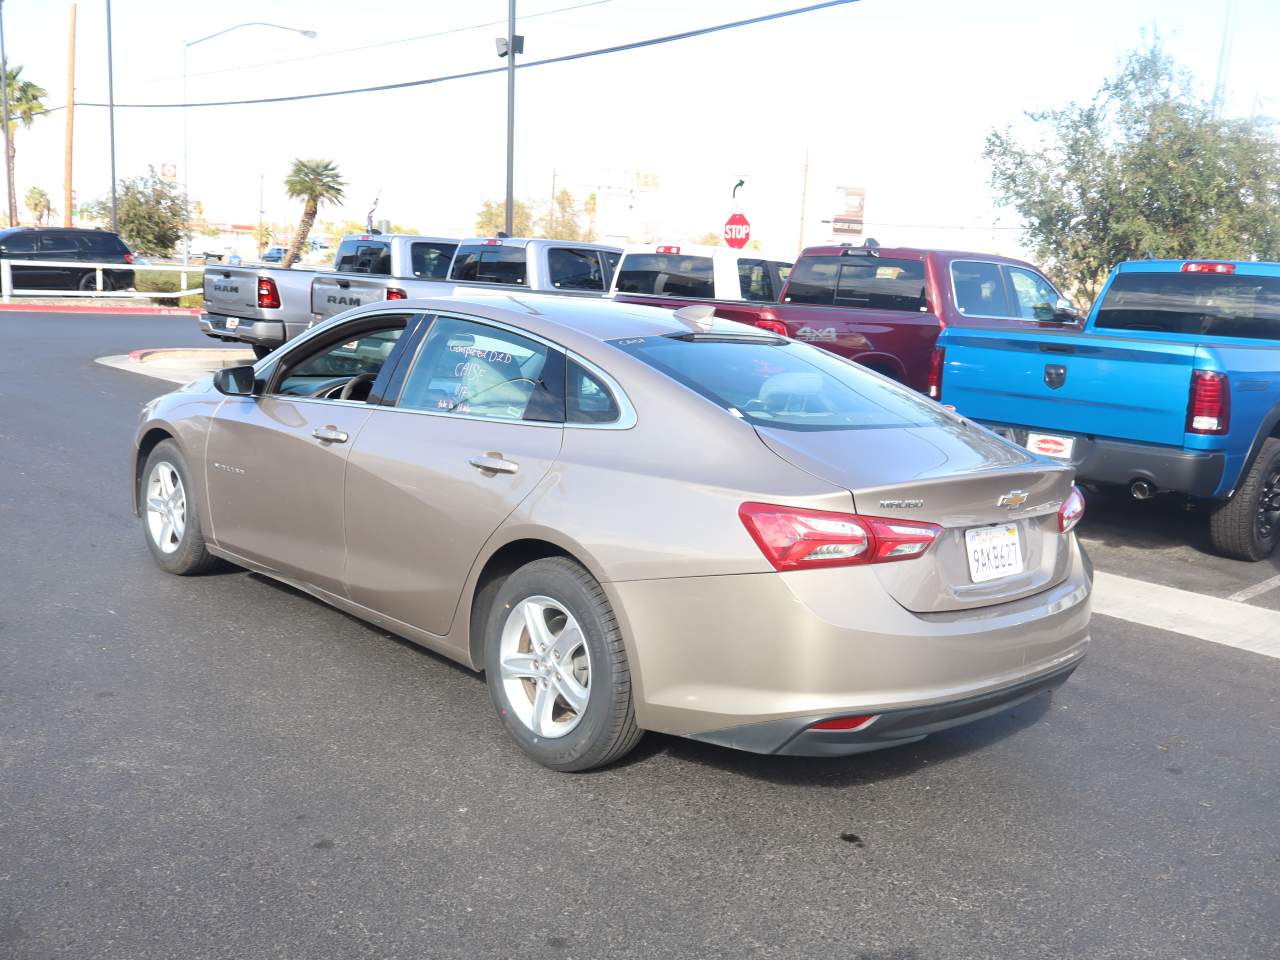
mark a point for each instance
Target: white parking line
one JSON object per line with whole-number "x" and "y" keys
{"x": 1192, "y": 614}
{"x": 1248, "y": 593}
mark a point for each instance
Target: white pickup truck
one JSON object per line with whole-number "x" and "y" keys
{"x": 265, "y": 306}
{"x": 499, "y": 263}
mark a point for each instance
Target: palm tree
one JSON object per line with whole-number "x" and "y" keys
{"x": 314, "y": 182}
{"x": 26, "y": 102}
{"x": 39, "y": 204}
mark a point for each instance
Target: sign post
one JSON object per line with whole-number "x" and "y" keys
{"x": 737, "y": 231}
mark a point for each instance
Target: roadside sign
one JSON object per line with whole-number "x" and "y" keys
{"x": 848, "y": 218}
{"x": 737, "y": 231}
{"x": 169, "y": 171}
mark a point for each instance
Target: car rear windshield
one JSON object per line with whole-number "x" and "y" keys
{"x": 1203, "y": 304}
{"x": 430, "y": 260}
{"x": 667, "y": 275}
{"x": 781, "y": 384}
{"x": 490, "y": 263}
{"x": 364, "y": 256}
{"x": 873, "y": 283}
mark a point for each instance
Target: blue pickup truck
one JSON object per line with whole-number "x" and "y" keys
{"x": 1172, "y": 386}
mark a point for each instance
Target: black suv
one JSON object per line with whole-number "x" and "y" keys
{"x": 65, "y": 245}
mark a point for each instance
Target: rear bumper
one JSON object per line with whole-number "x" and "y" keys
{"x": 269, "y": 333}
{"x": 792, "y": 737}
{"x": 1101, "y": 460}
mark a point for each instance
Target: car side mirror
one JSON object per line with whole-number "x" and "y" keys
{"x": 235, "y": 381}
{"x": 1065, "y": 312}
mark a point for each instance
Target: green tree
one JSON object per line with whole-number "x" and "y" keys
{"x": 491, "y": 218}
{"x": 590, "y": 208}
{"x": 562, "y": 219}
{"x": 26, "y": 102}
{"x": 262, "y": 237}
{"x": 314, "y": 182}
{"x": 39, "y": 204}
{"x": 710, "y": 239}
{"x": 150, "y": 212}
{"x": 1145, "y": 170}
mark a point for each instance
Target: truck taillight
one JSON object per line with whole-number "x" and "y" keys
{"x": 128, "y": 257}
{"x": 937, "y": 360}
{"x": 268, "y": 295}
{"x": 794, "y": 538}
{"x": 773, "y": 326}
{"x": 493, "y": 243}
{"x": 1197, "y": 266}
{"x": 668, "y": 250}
{"x": 1209, "y": 408}
{"x": 395, "y": 293}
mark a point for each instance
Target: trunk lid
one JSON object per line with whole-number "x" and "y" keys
{"x": 1009, "y": 377}
{"x": 954, "y": 475}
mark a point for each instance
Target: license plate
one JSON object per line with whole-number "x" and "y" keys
{"x": 1051, "y": 445}
{"x": 994, "y": 552}
{"x": 233, "y": 322}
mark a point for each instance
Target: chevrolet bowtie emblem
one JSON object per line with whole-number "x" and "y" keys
{"x": 1012, "y": 499}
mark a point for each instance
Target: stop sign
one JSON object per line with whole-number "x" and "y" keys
{"x": 737, "y": 231}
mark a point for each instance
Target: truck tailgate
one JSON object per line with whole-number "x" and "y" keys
{"x": 1129, "y": 389}
{"x": 331, "y": 293}
{"x": 232, "y": 291}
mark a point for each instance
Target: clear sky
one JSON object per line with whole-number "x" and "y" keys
{"x": 892, "y": 95}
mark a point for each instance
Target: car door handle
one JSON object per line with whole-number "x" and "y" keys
{"x": 330, "y": 434}
{"x": 493, "y": 463}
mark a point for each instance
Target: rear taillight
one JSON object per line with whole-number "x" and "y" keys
{"x": 794, "y": 538}
{"x": 937, "y": 360}
{"x": 268, "y": 295}
{"x": 844, "y": 723}
{"x": 773, "y": 326}
{"x": 493, "y": 243}
{"x": 1071, "y": 511}
{"x": 395, "y": 293}
{"x": 128, "y": 257}
{"x": 668, "y": 250}
{"x": 1208, "y": 267}
{"x": 1208, "y": 410}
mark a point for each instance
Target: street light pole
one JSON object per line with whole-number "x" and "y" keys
{"x": 511, "y": 113}
{"x": 111, "y": 122}
{"x": 4, "y": 94}
{"x": 187, "y": 45}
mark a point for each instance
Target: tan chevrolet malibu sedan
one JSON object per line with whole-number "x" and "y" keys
{"x": 632, "y": 519}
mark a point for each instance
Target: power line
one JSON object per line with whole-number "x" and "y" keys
{"x": 582, "y": 55}
{"x": 388, "y": 43}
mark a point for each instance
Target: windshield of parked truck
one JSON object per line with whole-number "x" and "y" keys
{"x": 1204, "y": 304}
{"x": 779, "y": 383}
{"x": 872, "y": 283}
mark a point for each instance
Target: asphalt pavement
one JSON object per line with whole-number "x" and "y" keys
{"x": 221, "y": 767}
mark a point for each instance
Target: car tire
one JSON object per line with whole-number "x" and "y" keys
{"x": 536, "y": 674}
{"x": 1247, "y": 527}
{"x": 259, "y": 351}
{"x": 170, "y": 518}
{"x": 89, "y": 282}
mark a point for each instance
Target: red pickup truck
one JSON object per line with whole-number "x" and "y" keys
{"x": 881, "y": 306}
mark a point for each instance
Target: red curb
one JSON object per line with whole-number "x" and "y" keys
{"x": 85, "y": 308}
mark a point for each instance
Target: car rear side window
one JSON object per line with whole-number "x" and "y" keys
{"x": 472, "y": 369}
{"x": 754, "y": 281}
{"x": 105, "y": 244}
{"x": 364, "y": 256}
{"x": 19, "y": 243}
{"x": 490, "y": 263}
{"x": 667, "y": 275}
{"x": 587, "y": 399}
{"x": 979, "y": 289}
{"x": 430, "y": 260}
{"x": 1202, "y": 304}
{"x": 575, "y": 269}
{"x": 783, "y": 384}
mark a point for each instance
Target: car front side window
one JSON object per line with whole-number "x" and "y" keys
{"x": 1035, "y": 297}
{"x": 342, "y": 370}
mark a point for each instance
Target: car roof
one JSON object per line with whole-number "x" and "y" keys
{"x": 705, "y": 250}
{"x": 526, "y": 241}
{"x": 397, "y": 236}
{"x": 1251, "y": 267}
{"x": 909, "y": 253}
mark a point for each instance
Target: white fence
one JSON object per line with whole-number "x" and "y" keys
{"x": 7, "y": 290}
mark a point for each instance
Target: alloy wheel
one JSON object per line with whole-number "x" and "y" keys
{"x": 545, "y": 667}
{"x": 166, "y": 507}
{"x": 1269, "y": 505}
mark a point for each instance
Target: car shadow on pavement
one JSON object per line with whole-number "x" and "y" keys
{"x": 860, "y": 768}
{"x": 1117, "y": 520}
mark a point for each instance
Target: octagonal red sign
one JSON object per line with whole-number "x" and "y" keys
{"x": 737, "y": 231}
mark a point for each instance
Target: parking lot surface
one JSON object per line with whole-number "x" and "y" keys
{"x": 223, "y": 767}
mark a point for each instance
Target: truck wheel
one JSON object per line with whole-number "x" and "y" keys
{"x": 260, "y": 351}
{"x": 1247, "y": 526}
{"x": 556, "y": 667}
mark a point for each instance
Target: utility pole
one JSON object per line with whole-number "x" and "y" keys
{"x": 4, "y": 94}
{"x": 1224, "y": 64}
{"x": 804, "y": 199}
{"x": 111, "y": 123}
{"x": 514, "y": 44}
{"x": 262, "y": 178}
{"x": 551, "y": 211}
{"x": 71, "y": 123}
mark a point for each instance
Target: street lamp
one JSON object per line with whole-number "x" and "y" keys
{"x": 508, "y": 47}
{"x": 187, "y": 45}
